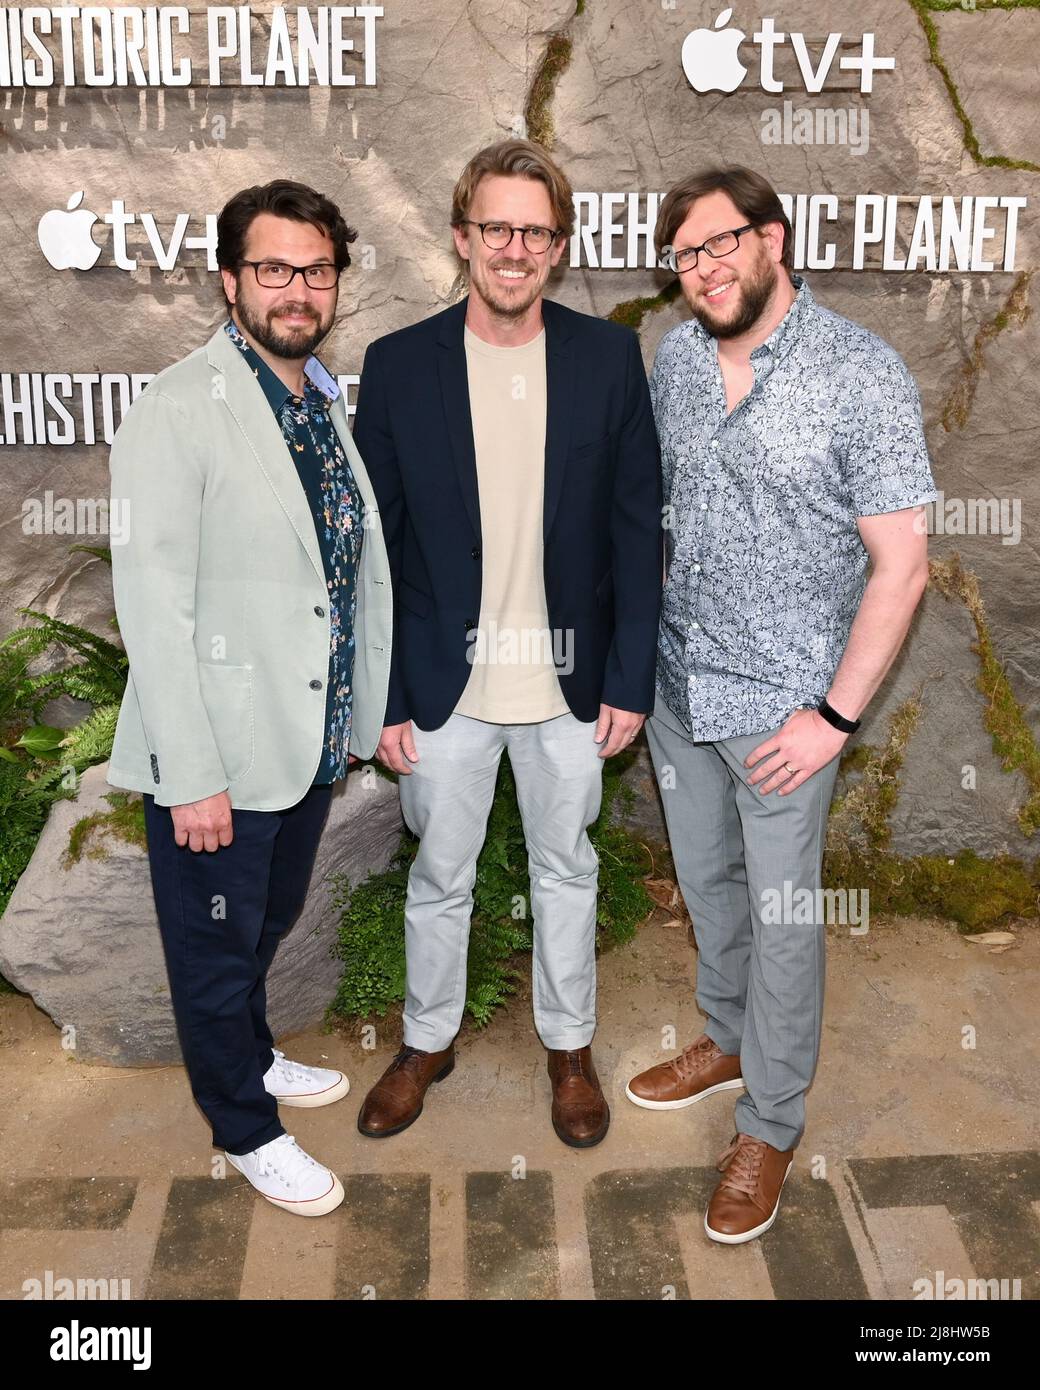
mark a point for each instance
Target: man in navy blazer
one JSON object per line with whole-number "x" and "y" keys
{"x": 511, "y": 445}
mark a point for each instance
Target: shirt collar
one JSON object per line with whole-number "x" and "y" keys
{"x": 274, "y": 387}
{"x": 787, "y": 330}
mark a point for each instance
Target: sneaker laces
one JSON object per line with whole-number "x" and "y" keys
{"x": 284, "y": 1160}
{"x": 741, "y": 1163}
{"x": 290, "y": 1071}
{"x": 692, "y": 1058}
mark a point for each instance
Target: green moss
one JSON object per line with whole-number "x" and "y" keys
{"x": 126, "y": 820}
{"x": 861, "y": 814}
{"x": 969, "y": 890}
{"x": 1013, "y": 740}
{"x": 922, "y": 9}
{"x": 1015, "y": 311}
{"x": 538, "y": 114}
{"x": 631, "y": 312}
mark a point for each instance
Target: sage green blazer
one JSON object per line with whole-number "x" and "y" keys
{"x": 221, "y": 596}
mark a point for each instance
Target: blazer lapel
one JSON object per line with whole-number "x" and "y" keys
{"x": 244, "y": 398}
{"x": 559, "y": 394}
{"x": 451, "y": 367}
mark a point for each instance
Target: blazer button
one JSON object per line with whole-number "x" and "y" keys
{"x": 469, "y": 623}
{"x": 315, "y": 685}
{"x": 475, "y": 552}
{"x": 319, "y": 610}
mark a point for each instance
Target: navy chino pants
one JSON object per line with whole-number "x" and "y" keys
{"x": 222, "y": 914}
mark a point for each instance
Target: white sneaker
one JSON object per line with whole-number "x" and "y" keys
{"x": 291, "y": 1083}
{"x": 290, "y": 1178}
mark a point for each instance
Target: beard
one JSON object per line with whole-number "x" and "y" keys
{"x": 291, "y": 343}
{"x": 755, "y": 291}
{"x": 510, "y": 304}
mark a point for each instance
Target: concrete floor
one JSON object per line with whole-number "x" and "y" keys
{"x": 920, "y": 1165}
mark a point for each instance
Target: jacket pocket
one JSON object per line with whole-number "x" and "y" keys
{"x": 227, "y": 693}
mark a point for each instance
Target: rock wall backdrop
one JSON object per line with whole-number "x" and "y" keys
{"x": 905, "y": 133}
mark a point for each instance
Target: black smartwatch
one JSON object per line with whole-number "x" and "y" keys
{"x": 847, "y": 726}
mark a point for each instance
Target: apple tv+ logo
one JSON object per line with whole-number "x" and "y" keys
{"x": 66, "y": 239}
{"x": 711, "y": 58}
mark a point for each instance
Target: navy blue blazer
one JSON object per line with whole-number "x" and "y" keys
{"x": 602, "y": 512}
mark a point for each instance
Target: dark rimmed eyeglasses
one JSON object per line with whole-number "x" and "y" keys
{"x": 275, "y": 275}
{"x": 498, "y": 235}
{"x": 722, "y": 244}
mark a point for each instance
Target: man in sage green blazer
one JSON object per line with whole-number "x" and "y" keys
{"x": 253, "y": 598}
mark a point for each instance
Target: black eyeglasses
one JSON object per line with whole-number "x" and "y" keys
{"x": 275, "y": 275}
{"x": 686, "y": 257}
{"x": 498, "y": 235}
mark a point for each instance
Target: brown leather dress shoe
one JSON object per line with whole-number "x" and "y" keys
{"x": 699, "y": 1070}
{"x": 396, "y": 1100}
{"x": 745, "y": 1203}
{"x": 580, "y": 1114}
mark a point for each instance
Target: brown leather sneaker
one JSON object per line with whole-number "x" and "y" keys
{"x": 746, "y": 1201}
{"x": 699, "y": 1070}
{"x": 396, "y": 1100}
{"x": 580, "y": 1114}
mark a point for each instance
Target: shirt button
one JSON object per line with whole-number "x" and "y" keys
{"x": 704, "y": 506}
{"x": 693, "y": 680}
{"x": 315, "y": 685}
{"x": 694, "y": 627}
{"x": 319, "y": 610}
{"x": 696, "y": 569}
{"x": 714, "y": 443}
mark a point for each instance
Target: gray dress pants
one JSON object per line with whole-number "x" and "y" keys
{"x": 737, "y": 854}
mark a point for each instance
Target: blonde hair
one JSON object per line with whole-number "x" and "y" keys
{"x": 523, "y": 159}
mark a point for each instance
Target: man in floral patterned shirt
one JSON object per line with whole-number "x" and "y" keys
{"x": 794, "y": 458}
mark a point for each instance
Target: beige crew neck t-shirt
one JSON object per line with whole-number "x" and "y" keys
{"x": 513, "y": 677}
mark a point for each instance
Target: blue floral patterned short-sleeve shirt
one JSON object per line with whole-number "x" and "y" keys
{"x": 336, "y": 505}
{"x": 765, "y": 565}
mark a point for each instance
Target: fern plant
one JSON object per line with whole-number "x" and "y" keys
{"x": 41, "y": 763}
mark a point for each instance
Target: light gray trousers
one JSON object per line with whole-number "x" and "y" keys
{"x": 759, "y": 980}
{"x": 446, "y": 801}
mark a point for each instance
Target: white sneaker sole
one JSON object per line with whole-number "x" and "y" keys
{"x": 309, "y": 1101}
{"x": 682, "y": 1104}
{"x": 313, "y": 1206}
{"x": 757, "y": 1231}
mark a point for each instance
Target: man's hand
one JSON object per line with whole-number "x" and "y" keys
{"x": 397, "y": 748}
{"x": 804, "y": 743}
{"x": 204, "y": 824}
{"x": 622, "y": 727}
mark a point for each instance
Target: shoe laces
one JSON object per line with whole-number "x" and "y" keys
{"x": 290, "y": 1071}
{"x": 742, "y": 1163}
{"x": 284, "y": 1160}
{"x": 576, "y": 1064}
{"x": 405, "y": 1056}
{"x": 692, "y": 1058}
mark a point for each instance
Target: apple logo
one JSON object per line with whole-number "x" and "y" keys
{"x": 65, "y": 238}
{"x": 709, "y": 57}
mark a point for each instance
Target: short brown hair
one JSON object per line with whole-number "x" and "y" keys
{"x": 754, "y": 196}
{"x": 524, "y": 159}
{"x": 283, "y": 198}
